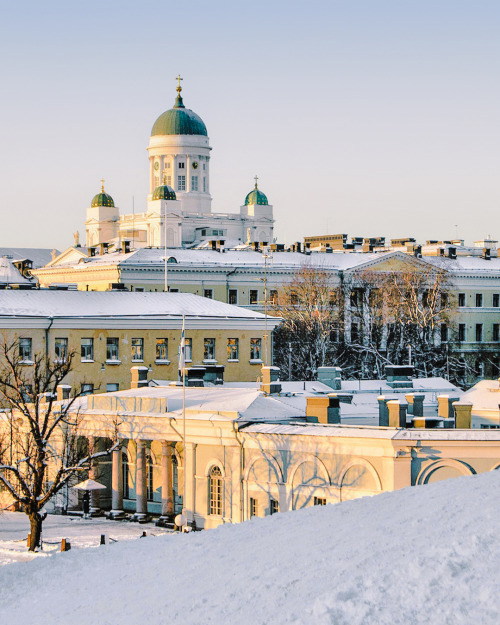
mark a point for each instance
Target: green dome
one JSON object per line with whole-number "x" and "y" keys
{"x": 164, "y": 192}
{"x": 256, "y": 197}
{"x": 179, "y": 121}
{"x": 102, "y": 199}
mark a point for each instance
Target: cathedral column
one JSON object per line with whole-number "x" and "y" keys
{"x": 167, "y": 484}
{"x": 188, "y": 173}
{"x": 141, "y": 492}
{"x": 116, "y": 485}
{"x": 95, "y": 495}
{"x": 175, "y": 163}
{"x": 151, "y": 174}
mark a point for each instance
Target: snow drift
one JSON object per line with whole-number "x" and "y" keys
{"x": 427, "y": 554}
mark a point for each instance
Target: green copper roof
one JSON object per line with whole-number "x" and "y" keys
{"x": 179, "y": 121}
{"x": 164, "y": 192}
{"x": 256, "y": 197}
{"x": 102, "y": 199}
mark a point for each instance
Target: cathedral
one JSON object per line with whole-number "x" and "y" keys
{"x": 179, "y": 204}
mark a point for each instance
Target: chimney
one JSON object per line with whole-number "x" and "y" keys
{"x": 213, "y": 246}
{"x": 486, "y": 253}
{"x": 63, "y": 391}
{"x": 452, "y": 252}
{"x": 139, "y": 377}
{"x": 417, "y": 251}
{"x": 463, "y": 414}
{"x": 383, "y": 411}
{"x": 92, "y": 251}
{"x": 298, "y": 246}
{"x": 397, "y": 413}
{"x": 125, "y": 247}
{"x": 445, "y": 406}
{"x": 270, "y": 380}
{"x": 415, "y": 404}
{"x": 331, "y": 376}
{"x": 256, "y": 246}
{"x": 399, "y": 376}
{"x": 103, "y": 248}
{"x": 325, "y": 409}
{"x": 220, "y": 245}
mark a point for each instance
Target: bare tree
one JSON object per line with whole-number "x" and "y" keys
{"x": 43, "y": 443}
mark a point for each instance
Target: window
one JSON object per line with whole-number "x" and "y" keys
{"x": 168, "y": 179}
{"x": 253, "y": 507}
{"x": 255, "y": 349}
{"x": 496, "y": 300}
{"x": 215, "y": 491}
{"x": 479, "y": 332}
{"x": 254, "y": 297}
{"x": 319, "y": 501}
{"x": 125, "y": 475}
{"x": 87, "y": 389}
{"x": 274, "y": 507}
{"x": 181, "y": 183}
{"x": 167, "y": 165}
{"x": 233, "y": 349}
{"x": 204, "y": 183}
{"x": 61, "y": 349}
{"x": 111, "y": 349}
{"x": 204, "y": 166}
{"x": 232, "y": 297}
{"x": 461, "y": 299}
{"x": 87, "y": 350}
{"x": 194, "y": 183}
{"x": 27, "y": 393}
{"x": 461, "y": 332}
{"x": 112, "y": 387}
{"x": 138, "y": 350}
{"x": 209, "y": 349}
{"x": 355, "y": 298}
{"x": 182, "y": 165}
{"x": 273, "y": 296}
{"x": 444, "y": 332}
{"x": 189, "y": 349}
{"x": 496, "y": 331}
{"x": 208, "y": 293}
{"x": 444, "y": 300}
{"x": 25, "y": 350}
{"x": 355, "y": 332}
{"x": 161, "y": 349}
{"x": 479, "y": 300}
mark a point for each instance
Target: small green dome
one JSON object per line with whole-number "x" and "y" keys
{"x": 164, "y": 192}
{"x": 102, "y": 199}
{"x": 256, "y": 196}
{"x": 179, "y": 121}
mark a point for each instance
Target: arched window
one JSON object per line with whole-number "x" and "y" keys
{"x": 215, "y": 491}
{"x": 125, "y": 476}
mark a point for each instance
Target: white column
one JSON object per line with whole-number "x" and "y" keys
{"x": 116, "y": 485}
{"x": 189, "y": 497}
{"x": 188, "y": 173}
{"x": 140, "y": 482}
{"x": 167, "y": 483}
{"x": 151, "y": 174}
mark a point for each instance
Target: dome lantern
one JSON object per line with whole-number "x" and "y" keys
{"x": 102, "y": 198}
{"x": 164, "y": 192}
{"x": 256, "y": 196}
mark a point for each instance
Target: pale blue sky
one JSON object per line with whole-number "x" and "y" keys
{"x": 364, "y": 117}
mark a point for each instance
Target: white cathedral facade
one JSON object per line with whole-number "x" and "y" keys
{"x": 179, "y": 204}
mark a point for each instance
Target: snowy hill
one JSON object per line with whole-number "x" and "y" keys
{"x": 427, "y": 554}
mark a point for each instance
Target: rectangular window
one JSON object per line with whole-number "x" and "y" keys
{"x": 479, "y": 300}
{"x": 461, "y": 299}
{"x": 319, "y": 501}
{"x": 354, "y": 333}
{"x": 25, "y": 350}
{"x": 208, "y": 293}
{"x": 169, "y": 180}
{"x": 479, "y": 332}
{"x": 61, "y": 349}
{"x": 274, "y": 507}
{"x": 112, "y": 349}
{"x": 87, "y": 350}
{"x": 255, "y": 349}
{"x": 253, "y": 297}
{"x": 209, "y": 349}
{"x": 194, "y": 183}
{"x": 461, "y": 332}
{"x": 87, "y": 389}
{"x": 189, "y": 349}
{"x": 355, "y": 298}
{"x": 167, "y": 165}
{"x": 204, "y": 184}
{"x": 496, "y": 300}
{"x": 112, "y": 387}
{"x": 138, "y": 350}
{"x": 27, "y": 393}
{"x": 496, "y": 332}
{"x": 233, "y": 296}
{"x": 182, "y": 165}
{"x": 273, "y": 297}
{"x": 444, "y": 332}
{"x": 253, "y": 507}
{"x": 161, "y": 350}
{"x": 233, "y": 349}
{"x": 181, "y": 183}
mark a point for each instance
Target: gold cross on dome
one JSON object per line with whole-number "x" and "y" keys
{"x": 178, "y": 79}
{"x": 256, "y": 178}
{"x": 102, "y": 185}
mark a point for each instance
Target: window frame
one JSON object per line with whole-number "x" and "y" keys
{"x": 61, "y": 346}
{"x": 254, "y": 343}
{"x": 84, "y": 348}
{"x": 137, "y": 349}
{"x": 24, "y": 356}
{"x": 209, "y": 348}
{"x": 215, "y": 490}
{"x": 479, "y": 333}
{"x": 233, "y": 349}
{"x": 159, "y": 348}
{"x": 479, "y": 300}
{"x": 462, "y": 300}
{"x": 253, "y": 297}
{"x": 112, "y": 345}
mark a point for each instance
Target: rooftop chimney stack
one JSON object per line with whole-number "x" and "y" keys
{"x": 325, "y": 409}
{"x": 139, "y": 377}
{"x": 270, "y": 380}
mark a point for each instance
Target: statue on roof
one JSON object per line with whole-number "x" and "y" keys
{"x": 77, "y": 238}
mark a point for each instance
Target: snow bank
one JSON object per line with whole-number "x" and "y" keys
{"x": 427, "y": 554}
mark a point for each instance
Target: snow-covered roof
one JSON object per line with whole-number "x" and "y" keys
{"x": 10, "y": 274}
{"x": 53, "y": 303}
{"x": 39, "y": 256}
{"x": 485, "y": 397}
{"x": 464, "y": 264}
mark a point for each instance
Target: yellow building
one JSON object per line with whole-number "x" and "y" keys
{"x": 110, "y": 332}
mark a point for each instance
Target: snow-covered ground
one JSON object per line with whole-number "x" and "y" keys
{"x": 427, "y": 554}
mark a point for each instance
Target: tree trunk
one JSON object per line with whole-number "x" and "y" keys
{"x": 36, "y": 530}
